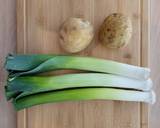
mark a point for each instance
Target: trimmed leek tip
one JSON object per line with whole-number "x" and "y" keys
{"x": 84, "y": 94}
{"x": 33, "y": 64}
{"x": 153, "y": 97}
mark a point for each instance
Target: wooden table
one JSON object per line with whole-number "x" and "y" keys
{"x": 8, "y": 41}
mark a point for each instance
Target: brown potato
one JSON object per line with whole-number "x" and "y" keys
{"x": 76, "y": 34}
{"x": 116, "y": 31}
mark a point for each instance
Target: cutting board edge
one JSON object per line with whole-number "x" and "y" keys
{"x": 145, "y": 54}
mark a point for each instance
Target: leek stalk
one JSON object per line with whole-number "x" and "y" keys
{"x": 32, "y": 64}
{"x": 40, "y": 83}
{"x": 83, "y": 94}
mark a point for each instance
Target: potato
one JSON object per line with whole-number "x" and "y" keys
{"x": 116, "y": 31}
{"x": 76, "y": 34}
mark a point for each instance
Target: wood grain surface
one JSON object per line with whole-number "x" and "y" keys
{"x": 38, "y": 25}
{"x": 7, "y": 44}
{"x": 155, "y": 61}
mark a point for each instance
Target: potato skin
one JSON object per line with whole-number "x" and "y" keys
{"x": 116, "y": 31}
{"x": 75, "y": 35}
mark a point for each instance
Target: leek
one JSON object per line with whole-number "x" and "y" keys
{"x": 32, "y": 64}
{"x": 107, "y": 80}
{"x": 11, "y": 94}
{"x": 42, "y": 83}
{"x": 83, "y": 94}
